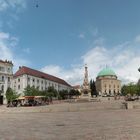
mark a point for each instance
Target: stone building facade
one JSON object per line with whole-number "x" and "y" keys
{"x": 107, "y": 83}
{"x": 6, "y": 76}
{"x": 26, "y": 76}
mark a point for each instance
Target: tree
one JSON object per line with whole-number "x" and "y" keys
{"x": 132, "y": 89}
{"x": 52, "y": 92}
{"x": 63, "y": 94}
{"x": 11, "y": 95}
{"x": 73, "y": 92}
{"x": 93, "y": 88}
{"x": 31, "y": 91}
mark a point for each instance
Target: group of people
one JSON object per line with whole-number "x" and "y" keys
{"x": 29, "y": 102}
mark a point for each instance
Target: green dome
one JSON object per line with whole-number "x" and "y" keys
{"x": 106, "y": 72}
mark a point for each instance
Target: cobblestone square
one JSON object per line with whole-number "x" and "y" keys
{"x": 97, "y": 124}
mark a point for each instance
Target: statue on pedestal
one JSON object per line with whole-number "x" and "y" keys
{"x": 85, "y": 89}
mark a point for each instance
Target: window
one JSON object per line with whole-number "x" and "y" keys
{"x": 2, "y": 78}
{"x": 33, "y": 80}
{"x": 8, "y": 69}
{"x": 28, "y": 79}
{"x": 2, "y": 88}
{"x": 18, "y": 86}
{"x": 37, "y": 81}
{"x": 8, "y": 79}
{"x": 42, "y": 81}
{"x": 2, "y": 69}
{"x": 42, "y": 88}
{"x": 19, "y": 80}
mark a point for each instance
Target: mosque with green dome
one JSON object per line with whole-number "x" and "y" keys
{"x": 107, "y": 83}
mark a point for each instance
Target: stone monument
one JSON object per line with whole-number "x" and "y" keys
{"x": 85, "y": 88}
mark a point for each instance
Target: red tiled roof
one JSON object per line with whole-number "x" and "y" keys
{"x": 76, "y": 86}
{"x": 36, "y": 73}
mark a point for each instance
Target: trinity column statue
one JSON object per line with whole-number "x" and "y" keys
{"x": 85, "y": 91}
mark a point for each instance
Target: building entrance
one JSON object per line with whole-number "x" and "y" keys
{"x": 1, "y": 100}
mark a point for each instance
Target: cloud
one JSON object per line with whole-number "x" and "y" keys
{"x": 9, "y": 12}
{"x": 4, "y": 35}
{"x": 73, "y": 75}
{"x": 12, "y": 4}
{"x": 7, "y": 44}
{"x": 82, "y": 35}
{"x": 26, "y": 50}
{"x": 137, "y": 39}
{"x": 124, "y": 59}
{"x": 125, "y": 62}
{"x": 93, "y": 31}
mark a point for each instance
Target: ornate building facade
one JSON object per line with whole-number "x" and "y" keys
{"x": 6, "y": 76}
{"x": 107, "y": 83}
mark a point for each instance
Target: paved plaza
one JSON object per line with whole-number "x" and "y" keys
{"x": 67, "y": 122}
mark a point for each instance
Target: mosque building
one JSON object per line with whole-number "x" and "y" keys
{"x": 107, "y": 83}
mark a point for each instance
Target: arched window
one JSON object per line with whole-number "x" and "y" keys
{"x": 110, "y": 92}
{"x": 8, "y": 79}
{"x": 2, "y": 88}
{"x": 2, "y": 78}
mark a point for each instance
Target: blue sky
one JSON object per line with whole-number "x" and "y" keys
{"x": 60, "y": 36}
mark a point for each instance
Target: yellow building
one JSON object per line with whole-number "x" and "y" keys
{"x": 107, "y": 83}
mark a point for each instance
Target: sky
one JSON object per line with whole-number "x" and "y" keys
{"x": 60, "y": 36}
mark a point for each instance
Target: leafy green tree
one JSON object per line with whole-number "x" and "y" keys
{"x": 31, "y": 91}
{"x": 52, "y": 92}
{"x": 63, "y": 94}
{"x": 11, "y": 95}
{"x": 132, "y": 89}
{"x": 73, "y": 92}
{"x": 124, "y": 90}
{"x": 93, "y": 88}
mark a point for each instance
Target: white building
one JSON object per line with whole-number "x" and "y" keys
{"x": 6, "y": 75}
{"x": 26, "y": 76}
